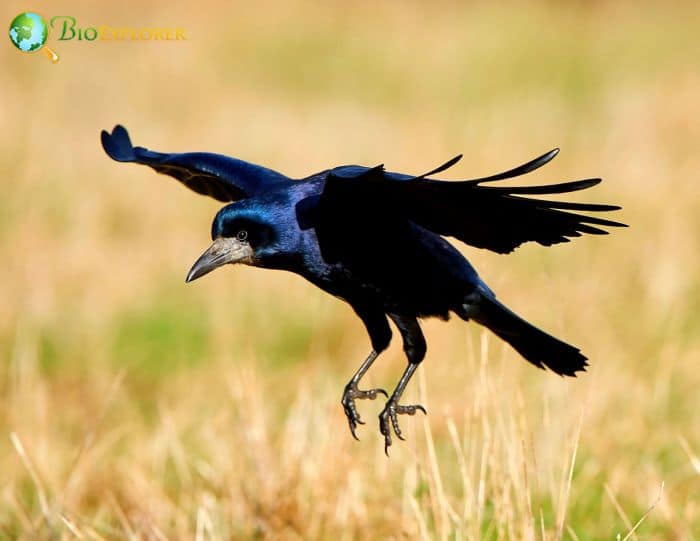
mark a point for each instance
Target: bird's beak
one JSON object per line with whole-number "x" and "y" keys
{"x": 222, "y": 251}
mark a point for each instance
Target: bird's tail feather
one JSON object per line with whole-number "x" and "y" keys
{"x": 538, "y": 347}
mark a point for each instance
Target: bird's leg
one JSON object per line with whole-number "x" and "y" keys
{"x": 352, "y": 392}
{"x": 387, "y": 418}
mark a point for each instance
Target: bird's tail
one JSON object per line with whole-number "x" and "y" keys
{"x": 538, "y": 347}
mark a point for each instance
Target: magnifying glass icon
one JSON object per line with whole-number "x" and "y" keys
{"x": 29, "y": 32}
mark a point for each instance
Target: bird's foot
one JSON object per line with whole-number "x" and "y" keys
{"x": 389, "y": 422}
{"x": 351, "y": 394}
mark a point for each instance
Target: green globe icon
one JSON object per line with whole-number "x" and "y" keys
{"x": 28, "y": 32}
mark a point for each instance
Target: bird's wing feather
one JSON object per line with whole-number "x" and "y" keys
{"x": 491, "y": 217}
{"x": 221, "y": 177}
{"x": 349, "y": 211}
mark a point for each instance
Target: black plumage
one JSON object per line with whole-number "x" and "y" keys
{"x": 374, "y": 238}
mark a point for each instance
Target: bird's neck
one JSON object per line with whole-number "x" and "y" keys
{"x": 289, "y": 262}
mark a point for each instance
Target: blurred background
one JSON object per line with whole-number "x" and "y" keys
{"x": 133, "y": 406}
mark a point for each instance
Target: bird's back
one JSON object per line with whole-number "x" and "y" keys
{"x": 404, "y": 267}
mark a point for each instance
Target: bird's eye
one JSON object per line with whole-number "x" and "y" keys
{"x": 242, "y": 235}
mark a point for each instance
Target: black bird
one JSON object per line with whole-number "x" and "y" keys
{"x": 374, "y": 239}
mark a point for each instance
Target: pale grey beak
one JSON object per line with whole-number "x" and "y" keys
{"x": 222, "y": 251}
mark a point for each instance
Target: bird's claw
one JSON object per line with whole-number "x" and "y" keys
{"x": 351, "y": 394}
{"x": 388, "y": 420}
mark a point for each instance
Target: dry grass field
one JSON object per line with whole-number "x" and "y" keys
{"x": 133, "y": 406}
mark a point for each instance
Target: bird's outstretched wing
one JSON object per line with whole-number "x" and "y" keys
{"x": 492, "y": 217}
{"x": 221, "y": 177}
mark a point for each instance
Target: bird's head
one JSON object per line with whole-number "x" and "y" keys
{"x": 241, "y": 233}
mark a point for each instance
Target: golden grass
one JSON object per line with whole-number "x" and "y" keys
{"x": 219, "y": 458}
{"x": 133, "y": 406}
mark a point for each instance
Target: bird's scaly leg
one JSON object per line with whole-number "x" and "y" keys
{"x": 352, "y": 392}
{"x": 387, "y": 418}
